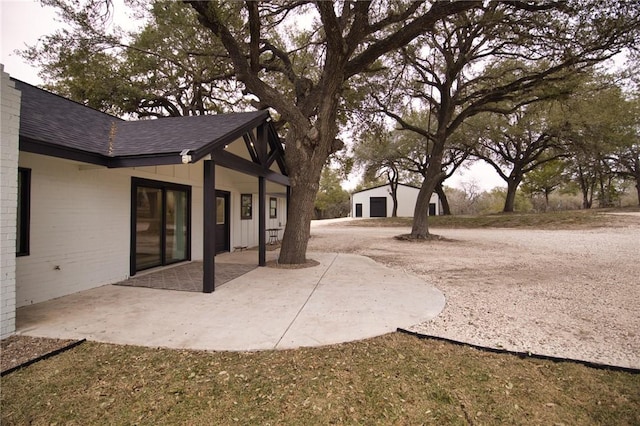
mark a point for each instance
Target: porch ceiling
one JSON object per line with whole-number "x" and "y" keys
{"x": 248, "y": 184}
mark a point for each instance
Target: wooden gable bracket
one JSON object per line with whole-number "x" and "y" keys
{"x": 277, "y": 151}
{"x": 262, "y": 144}
{"x": 250, "y": 142}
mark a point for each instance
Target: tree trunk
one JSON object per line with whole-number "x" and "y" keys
{"x": 512, "y": 187}
{"x": 603, "y": 194}
{"x": 420, "y": 227}
{"x": 586, "y": 199}
{"x": 432, "y": 176}
{"x": 306, "y": 154}
{"x": 546, "y": 200}
{"x": 636, "y": 175}
{"x": 446, "y": 208}
{"x": 298, "y": 229}
{"x": 394, "y": 198}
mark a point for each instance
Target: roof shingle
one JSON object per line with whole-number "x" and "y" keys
{"x": 57, "y": 121}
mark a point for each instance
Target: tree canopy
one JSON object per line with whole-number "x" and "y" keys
{"x": 495, "y": 59}
{"x": 167, "y": 67}
{"x": 313, "y": 63}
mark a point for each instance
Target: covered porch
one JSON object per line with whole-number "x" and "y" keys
{"x": 246, "y": 145}
{"x": 243, "y": 145}
{"x": 188, "y": 276}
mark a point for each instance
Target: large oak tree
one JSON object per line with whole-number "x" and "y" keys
{"x": 304, "y": 60}
{"x": 603, "y": 139}
{"x": 497, "y": 58}
{"x": 519, "y": 143}
{"x": 307, "y": 76}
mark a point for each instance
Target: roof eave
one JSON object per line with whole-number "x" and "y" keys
{"x": 52, "y": 150}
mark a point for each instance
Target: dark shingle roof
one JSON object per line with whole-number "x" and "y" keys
{"x": 50, "y": 118}
{"x": 173, "y": 134}
{"x": 58, "y": 122}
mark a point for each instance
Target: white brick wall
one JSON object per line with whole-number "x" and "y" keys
{"x": 79, "y": 229}
{"x": 9, "y": 125}
{"x": 80, "y": 223}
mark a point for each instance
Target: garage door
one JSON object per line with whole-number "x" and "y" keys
{"x": 378, "y": 207}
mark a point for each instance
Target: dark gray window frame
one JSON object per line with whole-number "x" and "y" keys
{"x": 244, "y": 214}
{"x": 273, "y": 208}
{"x": 23, "y": 212}
{"x": 164, "y": 186}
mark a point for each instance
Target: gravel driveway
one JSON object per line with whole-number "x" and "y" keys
{"x": 564, "y": 293}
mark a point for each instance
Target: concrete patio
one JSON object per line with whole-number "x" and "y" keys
{"x": 344, "y": 298}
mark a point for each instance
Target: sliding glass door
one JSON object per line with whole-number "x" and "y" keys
{"x": 161, "y": 225}
{"x": 176, "y": 226}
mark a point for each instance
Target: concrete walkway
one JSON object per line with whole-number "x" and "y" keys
{"x": 345, "y": 298}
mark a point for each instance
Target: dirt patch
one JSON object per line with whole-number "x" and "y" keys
{"x": 410, "y": 238}
{"x": 569, "y": 293}
{"x": 17, "y": 349}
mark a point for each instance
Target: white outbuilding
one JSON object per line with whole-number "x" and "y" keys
{"x": 377, "y": 202}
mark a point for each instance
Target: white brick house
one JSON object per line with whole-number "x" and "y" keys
{"x": 377, "y": 202}
{"x": 89, "y": 199}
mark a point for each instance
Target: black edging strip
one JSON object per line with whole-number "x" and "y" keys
{"x": 41, "y": 357}
{"x": 523, "y": 354}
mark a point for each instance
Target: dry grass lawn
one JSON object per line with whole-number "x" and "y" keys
{"x": 392, "y": 379}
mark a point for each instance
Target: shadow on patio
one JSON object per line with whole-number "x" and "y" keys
{"x": 188, "y": 276}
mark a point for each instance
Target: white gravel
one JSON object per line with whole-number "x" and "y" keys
{"x": 564, "y": 293}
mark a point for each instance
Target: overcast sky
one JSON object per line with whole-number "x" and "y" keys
{"x": 23, "y": 22}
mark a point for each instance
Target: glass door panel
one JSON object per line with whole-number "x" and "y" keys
{"x": 161, "y": 224}
{"x": 220, "y": 211}
{"x": 176, "y": 226}
{"x": 222, "y": 221}
{"x": 148, "y": 227}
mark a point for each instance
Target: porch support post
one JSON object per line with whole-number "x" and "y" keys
{"x": 262, "y": 213}
{"x": 209, "y": 226}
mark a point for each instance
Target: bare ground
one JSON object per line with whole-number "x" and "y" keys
{"x": 566, "y": 293}
{"x": 18, "y": 349}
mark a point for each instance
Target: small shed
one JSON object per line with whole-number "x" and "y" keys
{"x": 377, "y": 202}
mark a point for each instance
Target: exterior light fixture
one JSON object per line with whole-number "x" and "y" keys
{"x": 186, "y": 158}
